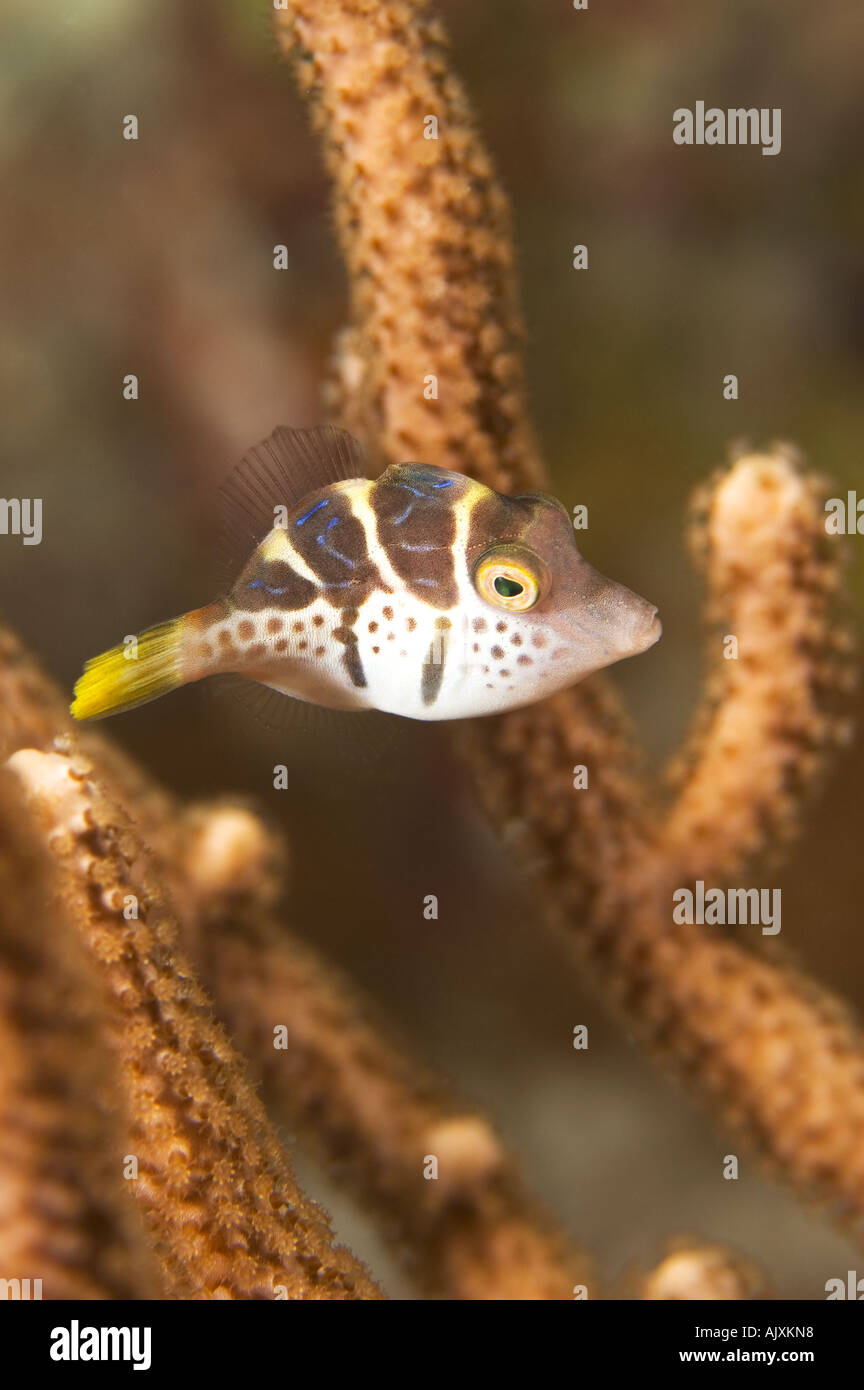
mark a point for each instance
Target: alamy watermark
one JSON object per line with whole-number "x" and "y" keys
{"x": 734, "y": 126}
{"x": 728, "y": 906}
{"x": 22, "y": 1290}
{"x": 77, "y": 1343}
{"x": 845, "y": 517}
{"x": 21, "y": 516}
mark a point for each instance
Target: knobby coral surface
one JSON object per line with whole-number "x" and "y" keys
{"x": 780, "y": 1058}
{"x": 136, "y": 1158}
{"x": 213, "y": 1189}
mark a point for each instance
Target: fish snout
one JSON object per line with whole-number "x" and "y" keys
{"x": 628, "y": 623}
{"x": 620, "y": 622}
{"x": 647, "y": 628}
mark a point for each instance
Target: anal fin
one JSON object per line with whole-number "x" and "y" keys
{"x": 368, "y": 737}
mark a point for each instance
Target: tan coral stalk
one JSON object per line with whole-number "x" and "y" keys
{"x": 780, "y": 1058}
{"x": 693, "y": 1272}
{"x": 65, "y": 1219}
{"x": 425, "y": 231}
{"x": 363, "y": 1107}
{"x": 771, "y": 713}
{"x": 219, "y": 1197}
{"x": 757, "y": 1038}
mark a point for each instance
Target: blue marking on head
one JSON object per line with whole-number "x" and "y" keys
{"x": 337, "y": 554}
{"x": 318, "y": 505}
{"x": 271, "y": 589}
{"x": 448, "y": 483}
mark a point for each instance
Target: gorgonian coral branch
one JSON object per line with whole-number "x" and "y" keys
{"x": 363, "y": 1107}
{"x": 66, "y": 1225}
{"x": 692, "y": 1272}
{"x": 760, "y": 1039}
{"x": 772, "y": 711}
{"x": 369, "y": 1113}
{"x": 780, "y": 1058}
{"x": 424, "y": 228}
{"x": 226, "y": 1216}
{"x": 431, "y": 367}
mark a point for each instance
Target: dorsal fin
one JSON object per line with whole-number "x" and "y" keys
{"x": 280, "y": 471}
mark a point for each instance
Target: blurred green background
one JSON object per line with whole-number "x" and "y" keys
{"x": 155, "y": 258}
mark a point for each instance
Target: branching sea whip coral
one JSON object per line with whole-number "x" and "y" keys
{"x": 64, "y": 1218}
{"x": 777, "y": 1056}
{"x": 96, "y": 1001}
{"x": 366, "y": 1109}
{"x": 225, "y": 1216}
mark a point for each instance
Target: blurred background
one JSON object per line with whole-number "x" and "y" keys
{"x": 154, "y": 257}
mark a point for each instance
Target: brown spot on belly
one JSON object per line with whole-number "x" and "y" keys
{"x": 296, "y": 627}
{"x": 501, "y": 627}
{"x": 538, "y": 639}
{"x": 524, "y": 661}
{"x": 274, "y": 625}
{"x": 318, "y": 620}
{"x": 245, "y": 630}
{"x": 282, "y": 644}
{"x": 319, "y": 651}
{"x": 411, "y": 624}
{"x": 257, "y": 649}
{"x": 497, "y": 653}
{"x": 388, "y": 613}
{"x": 479, "y": 624}
{"x": 373, "y": 627}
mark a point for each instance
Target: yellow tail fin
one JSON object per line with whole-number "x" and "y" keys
{"x": 131, "y": 674}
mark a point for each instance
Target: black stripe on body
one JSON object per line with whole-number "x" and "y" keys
{"x": 432, "y": 675}
{"x": 414, "y": 511}
{"x": 351, "y": 655}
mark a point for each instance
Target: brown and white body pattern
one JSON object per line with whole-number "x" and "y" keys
{"x": 366, "y": 599}
{"x": 424, "y": 593}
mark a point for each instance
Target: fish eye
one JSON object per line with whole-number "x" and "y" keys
{"x": 508, "y": 578}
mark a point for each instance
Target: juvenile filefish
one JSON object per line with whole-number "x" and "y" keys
{"x": 423, "y": 593}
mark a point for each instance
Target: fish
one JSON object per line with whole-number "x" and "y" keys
{"x": 422, "y": 593}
